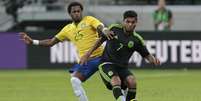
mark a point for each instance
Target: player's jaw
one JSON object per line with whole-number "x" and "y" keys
{"x": 76, "y": 18}
{"x": 129, "y": 28}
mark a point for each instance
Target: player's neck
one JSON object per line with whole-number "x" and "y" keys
{"x": 127, "y": 33}
{"x": 76, "y": 22}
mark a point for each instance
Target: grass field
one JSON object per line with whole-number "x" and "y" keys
{"x": 54, "y": 85}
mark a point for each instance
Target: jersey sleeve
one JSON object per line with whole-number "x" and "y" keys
{"x": 62, "y": 35}
{"x": 94, "y": 22}
{"x": 142, "y": 50}
{"x": 140, "y": 46}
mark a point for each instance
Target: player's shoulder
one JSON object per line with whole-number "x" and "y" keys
{"x": 138, "y": 37}
{"x": 116, "y": 26}
{"x": 89, "y": 18}
{"x": 68, "y": 26}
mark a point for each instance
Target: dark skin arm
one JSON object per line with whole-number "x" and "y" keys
{"x": 85, "y": 57}
{"x": 46, "y": 42}
{"x": 100, "y": 29}
{"x": 50, "y": 42}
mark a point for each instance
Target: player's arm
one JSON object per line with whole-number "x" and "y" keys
{"x": 142, "y": 49}
{"x": 145, "y": 53}
{"x": 86, "y": 56}
{"x": 95, "y": 46}
{"x": 46, "y": 42}
{"x": 152, "y": 59}
{"x": 105, "y": 31}
{"x": 99, "y": 26}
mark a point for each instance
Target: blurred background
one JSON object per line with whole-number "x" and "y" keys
{"x": 174, "y": 36}
{"x": 51, "y": 14}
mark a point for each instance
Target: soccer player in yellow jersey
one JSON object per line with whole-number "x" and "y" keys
{"x": 83, "y": 32}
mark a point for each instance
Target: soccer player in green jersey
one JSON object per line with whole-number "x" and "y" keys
{"x": 114, "y": 61}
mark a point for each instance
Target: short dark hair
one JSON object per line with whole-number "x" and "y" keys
{"x": 130, "y": 13}
{"x": 74, "y": 4}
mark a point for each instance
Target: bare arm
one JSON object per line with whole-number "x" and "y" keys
{"x": 105, "y": 31}
{"x": 170, "y": 23}
{"x": 97, "y": 44}
{"x": 49, "y": 42}
{"x": 85, "y": 57}
{"x": 46, "y": 42}
{"x": 153, "y": 60}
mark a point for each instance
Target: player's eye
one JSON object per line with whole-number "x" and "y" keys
{"x": 78, "y": 11}
{"x": 127, "y": 21}
{"x": 133, "y": 22}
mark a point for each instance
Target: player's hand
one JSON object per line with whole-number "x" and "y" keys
{"x": 157, "y": 62}
{"x": 26, "y": 38}
{"x": 109, "y": 34}
{"x": 84, "y": 59}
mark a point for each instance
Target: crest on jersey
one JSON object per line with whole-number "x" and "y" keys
{"x": 82, "y": 25}
{"x": 130, "y": 44}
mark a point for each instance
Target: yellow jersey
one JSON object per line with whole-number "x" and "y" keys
{"x": 83, "y": 35}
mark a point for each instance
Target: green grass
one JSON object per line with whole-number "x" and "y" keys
{"x": 54, "y": 85}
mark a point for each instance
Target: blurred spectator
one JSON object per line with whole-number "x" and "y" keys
{"x": 162, "y": 17}
{"x": 12, "y": 7}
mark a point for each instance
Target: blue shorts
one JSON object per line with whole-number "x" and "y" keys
{"x": 87, "y": 69}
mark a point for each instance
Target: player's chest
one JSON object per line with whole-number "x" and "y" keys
{"x": 124, "y": 42}
{"x": 78, "y": 32}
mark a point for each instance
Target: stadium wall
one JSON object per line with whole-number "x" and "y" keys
{"x": 174, "y": 49}
{"x": 12, "y": 51}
